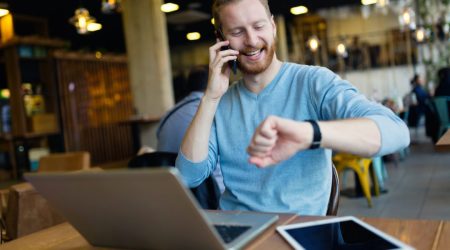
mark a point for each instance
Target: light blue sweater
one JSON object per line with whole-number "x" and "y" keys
{"x": 301, "y": 184}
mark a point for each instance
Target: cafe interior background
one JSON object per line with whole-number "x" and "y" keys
{"x": 96, "y": 76}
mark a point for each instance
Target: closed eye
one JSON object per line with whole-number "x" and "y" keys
{"x": 259, "y": 27}
{"x": 236, "y": 33}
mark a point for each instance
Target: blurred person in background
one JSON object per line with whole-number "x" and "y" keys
{"x": 443, "y": 89}
{"x": 418, "y": 103}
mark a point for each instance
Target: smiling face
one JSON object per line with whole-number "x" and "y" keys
{"x": 251, "y": 30}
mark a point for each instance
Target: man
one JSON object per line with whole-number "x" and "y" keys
{"x": 265, "y": 114}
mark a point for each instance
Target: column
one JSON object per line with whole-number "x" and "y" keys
{"x": 148, "y": 61}
{"x": 282, "y": 47}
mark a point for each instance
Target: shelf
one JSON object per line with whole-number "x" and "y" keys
{"x": 28, "y": 58}
{"x": 35, "y": 41}
{"x": 34, "y": 59}
{"x": 5, "y": 136}
{"x": 31, "y": 135}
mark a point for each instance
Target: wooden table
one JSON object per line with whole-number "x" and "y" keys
{"x": 421, "y": 234}
{"x": 443, "y": 145}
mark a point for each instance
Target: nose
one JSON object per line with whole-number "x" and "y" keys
{"x": 251, "y": 39}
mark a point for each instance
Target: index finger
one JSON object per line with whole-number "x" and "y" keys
{"x": 215, "y": 48}
{"x": 218, "y": 45}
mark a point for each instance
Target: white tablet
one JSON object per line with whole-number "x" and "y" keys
{"x": 338, "y": 233}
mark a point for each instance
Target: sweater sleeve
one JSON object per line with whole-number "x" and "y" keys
{"x": 338, "y": 99}
{"x": 194, "y": 173}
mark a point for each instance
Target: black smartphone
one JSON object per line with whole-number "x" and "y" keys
{"x": 233, "y": 63}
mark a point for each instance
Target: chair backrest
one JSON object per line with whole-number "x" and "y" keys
{"x": 70, "y": 161}
{"x": 333, "y": 202}
{"x": 27, "y": 212}
{"x": 153, "y": 159}
{"x": 442, "y": 109}
{"x": 207, "y": 193}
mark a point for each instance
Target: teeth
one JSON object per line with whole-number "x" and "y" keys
{"x": 253, "y": 53}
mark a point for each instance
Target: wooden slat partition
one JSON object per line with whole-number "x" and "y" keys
{"x": 95, "y": 101}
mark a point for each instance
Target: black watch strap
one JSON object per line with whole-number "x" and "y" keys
{"x": 317, "y": 136}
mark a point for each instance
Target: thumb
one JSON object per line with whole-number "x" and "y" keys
{"x": 261, "y": 161}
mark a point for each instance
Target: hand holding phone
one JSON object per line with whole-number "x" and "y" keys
{"x": 233, "y": 63}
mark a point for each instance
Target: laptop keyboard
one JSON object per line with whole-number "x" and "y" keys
{"x": 230, "y": 232}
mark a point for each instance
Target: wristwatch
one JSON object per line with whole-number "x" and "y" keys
{"x": 317, "y": 136}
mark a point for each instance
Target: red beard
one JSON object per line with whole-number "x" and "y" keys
{"x": 248, "y": 67}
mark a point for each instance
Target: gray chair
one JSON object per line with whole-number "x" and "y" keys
{"x": 442, "y": 106}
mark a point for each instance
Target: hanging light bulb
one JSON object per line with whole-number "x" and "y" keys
{"x": 81, "y": 20}
{"x": 111, "y": 6}
{"x": 408, "y": 18}
{"x": 341, "y": 50}
{"x": 368, "y": 2}
{"x": 169, "y": 7}
{"x": 299, "y": 10}
{"x": 420, "y": 34}
{"x": 192, "y": 36}
{"x": 3, "y": 9}
{"x": 91, "y": 27}
{"x": 313, "y": 43}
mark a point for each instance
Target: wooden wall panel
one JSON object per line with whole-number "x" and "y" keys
{"x": 95, "y": 105}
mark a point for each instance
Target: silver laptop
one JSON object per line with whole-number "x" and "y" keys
{"x": 144, "y": 209}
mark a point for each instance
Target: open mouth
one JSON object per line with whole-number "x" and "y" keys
{"x": 253, "y": 54}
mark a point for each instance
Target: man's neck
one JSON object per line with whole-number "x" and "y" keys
{"x": 257, "y": 82}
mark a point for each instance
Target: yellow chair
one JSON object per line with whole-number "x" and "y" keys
{"x": 361, "y": 166}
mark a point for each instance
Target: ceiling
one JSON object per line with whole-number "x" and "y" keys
{"x": 111, "y": 37}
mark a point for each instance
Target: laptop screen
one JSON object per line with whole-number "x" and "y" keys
{"x": 143, "y": 209}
